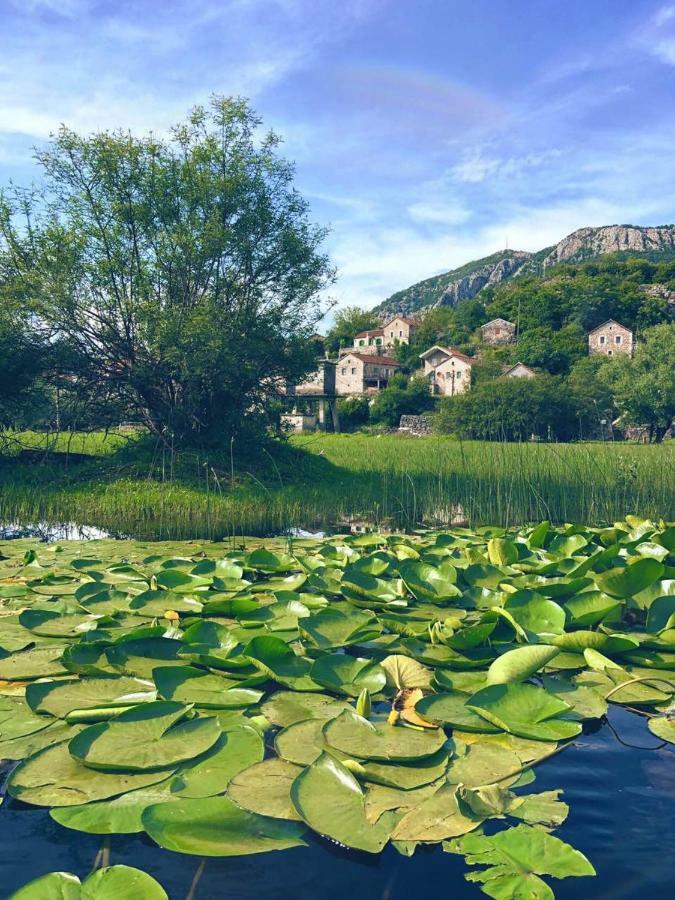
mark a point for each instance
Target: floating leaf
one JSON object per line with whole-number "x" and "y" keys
{"x": 348, "y": 674}
{"x": 403, "y": 672}
{"x": 52, "y": 777}
{"x": 330, "y": 800}
{"x": 437, "y": 818}
{"x": 110, "y": 883}
{"x": 519, "y": 664}
{"x": 524, "y": 710}
{"x": 265, "y": 788}
{"x": 276, "y": 659}
{"x": 357, "y": 737}
{"x": 150, "y": 736}
{"x": 517, "y": 857}
{"x": 663, "y": 727}
{"x": 216, "y": 826}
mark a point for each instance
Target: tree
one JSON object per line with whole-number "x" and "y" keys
{"x": 353, "y": 412}
{"x": 23, "y": 362}
{"x": 510, "y": 409}
{"x": 401, "y": 397}
{"x": 184, "y": 272}
{"x": 554, "y": 351}
{"x": 349, "y": 322}
{"x": 644, "y": 385}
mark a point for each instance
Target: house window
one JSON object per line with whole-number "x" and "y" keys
{"x": 354, "y": 371}
{"x": 609, "y": 353}
{"x": 617, "y": 339}
{"x": 459, "y": 375}
{"x": 378, "y": 340}
{"x": 361, "y": 343}
{"x": 400, "y": 334}
{"x": 602, "y": 339}
{"x": 343, "y": 371}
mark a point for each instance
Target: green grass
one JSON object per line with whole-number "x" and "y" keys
{"x": 130, "y": 486}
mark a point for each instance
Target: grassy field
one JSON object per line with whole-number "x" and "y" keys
{"x": 127, "y": 485}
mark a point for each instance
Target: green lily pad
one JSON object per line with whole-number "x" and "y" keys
{"x": 519, "y": 664}
{"x": 121, "y": 815}
{"x": 451, "y": 709}
{"x": 357, "y": 737}
{"x": 437, "y": 818}
{"x": 265, "y": 788}
{"x": 52, "y": 777}
{"x": 210, "y": 773}
{"x": 27, "y": 665}
{"x": 110, "y": 883}
{"x": 331, "y": 628}
{"x": 283, "y": 708}
{"x": 150, "y": 736}
{"x": 59, "y": 698}
{"x": 663, "y": 727}
{"x": 216, "y": 826}
{"x": 186, "y": 684}
{"x": 348, "y": 674}
{"x": 524, "y": 710}
{"x": 275, "y": 658}
{"x": 330, "y": 800}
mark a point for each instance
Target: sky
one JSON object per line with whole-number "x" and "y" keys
{"x": 426, "y": 133}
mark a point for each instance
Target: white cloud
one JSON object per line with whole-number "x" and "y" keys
{"x": 657, "y": 37}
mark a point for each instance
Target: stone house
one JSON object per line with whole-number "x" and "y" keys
{"x": 520, "y": 370}
{"x": 498, "y": 331}
{"x": 610, "y": 338}
{"x": 399, "y": 330}
{"x": 447, "y": 370}
{"x": 363, "y": 373}
{"x": 367, "y": 342}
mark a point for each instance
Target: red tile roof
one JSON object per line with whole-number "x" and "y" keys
{"x": 374, "y": 332}
{"x": 373, "y": 358}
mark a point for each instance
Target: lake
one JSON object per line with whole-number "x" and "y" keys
{"x": 622, "y": 815}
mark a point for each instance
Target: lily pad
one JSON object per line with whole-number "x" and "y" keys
{"x": 330, "y": 800}
{"x": 150, "y": 736}
{"x": 216, "y": 826}
{"x": 265, "y": 788}
{"x": 348, "y": 674}
{"x": 357, "y": 737}
{"x": 524, "y": 710}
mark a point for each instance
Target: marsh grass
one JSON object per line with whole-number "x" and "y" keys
{"x": 131, "y": 486}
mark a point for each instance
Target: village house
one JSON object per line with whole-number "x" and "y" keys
{"x": 367, "y": 342}
{"x": 610, "y": 338}
{"x": 498, "y": 331}
{"x": 363, "y": 373}
{"x": 520, "y": 370}
{"x": 399, "y": 330}
{"x": 447, "y": 370}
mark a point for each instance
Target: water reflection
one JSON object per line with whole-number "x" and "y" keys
{"x": 51, "y": 531}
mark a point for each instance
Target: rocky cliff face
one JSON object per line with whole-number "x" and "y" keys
{"x": 589, "y": 242}
{"x": 492, "y": 273}
{"x": 466, "y": 282}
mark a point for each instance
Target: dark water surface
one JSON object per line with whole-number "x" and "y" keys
{"x": 622, "y": 816}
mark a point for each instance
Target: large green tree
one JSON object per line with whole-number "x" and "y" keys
{"x": 183, "y": 272}
{"x": 644, "y": 386}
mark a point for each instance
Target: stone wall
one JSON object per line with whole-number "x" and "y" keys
{"x": 416, "y": 424}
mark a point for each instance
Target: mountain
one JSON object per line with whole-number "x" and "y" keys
{"x": 451, "y": 287}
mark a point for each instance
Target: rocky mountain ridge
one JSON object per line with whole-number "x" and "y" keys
{"x": 466, "y": 282}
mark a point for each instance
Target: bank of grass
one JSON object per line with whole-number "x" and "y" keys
{"x": 129, "y": 485}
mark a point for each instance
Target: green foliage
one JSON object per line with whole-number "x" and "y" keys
{"x": 643, "y": 386}
{"x": 585, "y": 295}
{"x": 177, "y": 270}
{"x": 511, "y": 409}
{"x": 353, "y": 412}
{"x": 401, "y": 397}
{"x": 350, "y": 321}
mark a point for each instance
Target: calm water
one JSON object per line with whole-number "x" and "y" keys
{"x": 622, "y": 816}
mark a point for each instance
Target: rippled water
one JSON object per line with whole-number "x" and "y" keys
{"x": 622, "y": 816}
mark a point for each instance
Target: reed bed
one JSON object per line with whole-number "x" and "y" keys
{"x": 329, "y": 481}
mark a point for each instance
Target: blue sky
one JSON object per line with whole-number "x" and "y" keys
{"x": 425, "y": 132}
